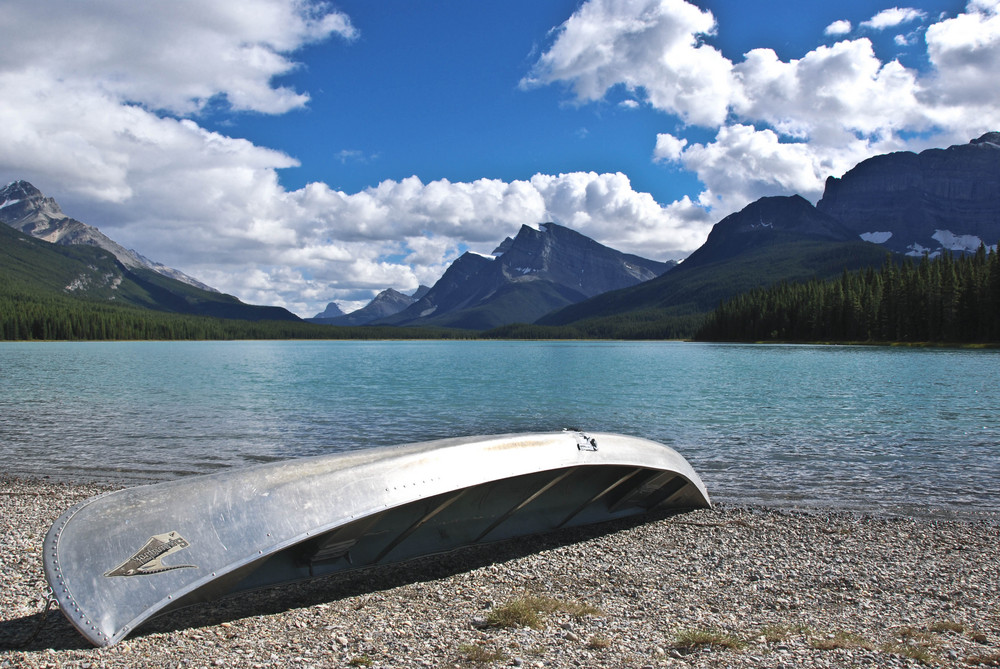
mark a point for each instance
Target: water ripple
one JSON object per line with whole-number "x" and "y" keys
{"x": 854, "y": 427}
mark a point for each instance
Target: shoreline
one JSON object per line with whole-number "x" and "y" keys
{"x": 737, "y": 586}
{"x": 798, "y": 505}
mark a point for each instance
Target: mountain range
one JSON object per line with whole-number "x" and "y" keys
{"x": 915, "y": 204}
{"x": 526, "y": 277}
{"x": 934, "y": 201}
{"x": 387, "y": 303}
{"x": 24, "y": 208}
{"x": 43, "y": 251}
{"x": 940, "y": 200}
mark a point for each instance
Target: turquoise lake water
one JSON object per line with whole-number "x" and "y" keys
{"x": 871, "y": 429}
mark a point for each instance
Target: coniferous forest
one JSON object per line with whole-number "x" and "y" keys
{"x": 942, "y": 300}
{"x": 945, "y": 299}
{"x": 28, "y": 315}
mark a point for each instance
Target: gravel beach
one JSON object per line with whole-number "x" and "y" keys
{"x": 729, "y": 587}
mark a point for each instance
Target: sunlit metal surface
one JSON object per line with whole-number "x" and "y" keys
{"x": 117, "y": 559}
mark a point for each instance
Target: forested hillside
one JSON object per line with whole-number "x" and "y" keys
{"x": 30, "y": 315}
{"x": 945, "y": 299}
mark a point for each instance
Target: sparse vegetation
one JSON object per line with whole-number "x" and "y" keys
{"x": 913, "y": 651}
{"x": 842, "y": 639}
{"x": 947, "y": 626}
{"x": 690, "y": 639}
{"x": 525, "y": 611}
{"x": 990, "y": 660}
{"x": 361, "y": 661}
{"x": 516, "y": 613}
{"x": 773, "y": 633}
{"x": 598, "y": 642}
{"x": 471, "y": 652}
{"x": 916, "y": 634}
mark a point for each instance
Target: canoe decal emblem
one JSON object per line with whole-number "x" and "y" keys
{"x": 149, "y": 558}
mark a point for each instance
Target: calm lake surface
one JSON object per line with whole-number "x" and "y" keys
{"x": 870, "y": 429}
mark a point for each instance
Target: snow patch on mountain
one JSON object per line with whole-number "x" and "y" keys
{"x": 917, "y": 251}
{"x": 953, "y": 242}
{"x": 876, "y": 237}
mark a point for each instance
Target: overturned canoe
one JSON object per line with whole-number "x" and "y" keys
{"x": 115, "y": 560}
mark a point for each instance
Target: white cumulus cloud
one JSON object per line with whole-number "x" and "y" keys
{"x": 177, "y": 56}
{"x": 965, "y": 51}
{"x": 103, "y": 115}
{"x": 895, "y": 16}
{"x": 837, "y": 28}
{"x": 668, "y": 148}
{"x": 783, "y": 126}
{"x": 651, "y": 46}
{"x": 403, "y": 233}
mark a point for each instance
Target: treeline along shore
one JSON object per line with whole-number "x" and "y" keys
{"x": 946, "y": 299}
{"x": 729, "y": 587}
{"x": 25, "y": 316}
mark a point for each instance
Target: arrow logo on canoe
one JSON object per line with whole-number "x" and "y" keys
{"x": 149, "y": 558}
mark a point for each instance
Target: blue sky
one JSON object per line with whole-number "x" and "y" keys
{"x": 296, "y": 153}
{"x": 432, "y": 89}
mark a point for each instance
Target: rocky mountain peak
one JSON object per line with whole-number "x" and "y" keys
{"x": 538, "y": 270}
{"x": 24, "y": 207}
{"x": 19, "y": 190}
{"x": 566, "y": 256}
{"x": 387, "y": 303}
{"x": 332, "y": 310}
{"x": 922, "y": 203}
{"x": 392, "y": 296}
{"x": 504, "y": 246}
{"x": 765, "y": 221}
{"x": 991, "y": 138}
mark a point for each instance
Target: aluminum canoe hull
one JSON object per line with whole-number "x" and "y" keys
{"x": 115, "y": 560}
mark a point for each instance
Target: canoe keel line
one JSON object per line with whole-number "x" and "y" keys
{"x": 116, "y": 560}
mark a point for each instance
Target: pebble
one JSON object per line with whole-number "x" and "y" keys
{"x": 760, "y": 587}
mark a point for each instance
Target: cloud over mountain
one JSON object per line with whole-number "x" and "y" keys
{"x": 782, "y": 125}
{"x": 105, "y": 105}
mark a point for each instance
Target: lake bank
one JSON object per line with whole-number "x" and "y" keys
{"x": 729, "y": 587}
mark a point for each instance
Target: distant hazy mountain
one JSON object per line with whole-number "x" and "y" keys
{"x": 940, "y": 199}
{"x": 332, "y": 311}
{"x": 91, "y": 271}
{"x": 387, "y": 303}
{"x": 533, "y": 273}
{"x": 23, "y": 207}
